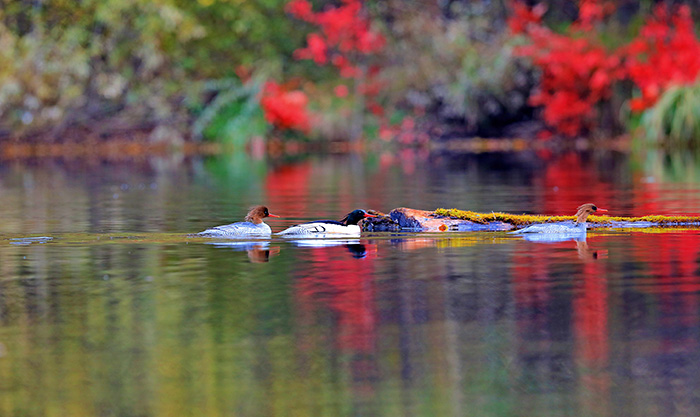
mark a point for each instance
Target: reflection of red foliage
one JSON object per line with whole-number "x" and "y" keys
{"x": 286, "y": 188}
{"x": 672, "y": 279}
{"x": 591, "y": 316}
{"x": 285, "y": 109}
{"x": 665, "y": 53}
{"x": 345, "y": 285}
{"x": 568, "y": 182}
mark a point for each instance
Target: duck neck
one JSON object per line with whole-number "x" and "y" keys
{"x": 253, "y": 219}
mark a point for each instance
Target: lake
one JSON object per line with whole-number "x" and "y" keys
{"x": 120, "y": 313}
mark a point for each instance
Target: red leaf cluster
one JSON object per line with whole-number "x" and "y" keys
{"x": 285, "y": 109}
{"x": 665, "y": 53}
{"x": 344, "y": 39}
{"x": 523, "y": 16}
{"x": 591, "y": 12}
{"x": 578, "y": 73}
{"x": 344, "y": 31}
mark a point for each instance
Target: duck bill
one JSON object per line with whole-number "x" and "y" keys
{"x": 601, "y": 209}
{"x": 370, "y": 215}
{"x": 272, "y": 215}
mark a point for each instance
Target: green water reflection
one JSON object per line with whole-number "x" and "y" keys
{"x": 122, "y": 314}
{"x": 424, "y": 326}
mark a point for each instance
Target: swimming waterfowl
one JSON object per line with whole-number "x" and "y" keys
{"x": 575, "y": 227}
{"x": 253, "y": 226}
{"x": 346, "y": 226}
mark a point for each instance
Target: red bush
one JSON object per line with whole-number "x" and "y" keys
{"x": 345, "y": 39}
{"x": 524, "y": 16}
{"x": 344, "y": 32}
{"x": 285, "y": 109}
{"x": 578, "y": 73}
{"x": 665, "y": 53}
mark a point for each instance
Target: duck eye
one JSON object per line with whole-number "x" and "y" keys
{"x": 594, "y": 208}
{"x": 266, "y": 212}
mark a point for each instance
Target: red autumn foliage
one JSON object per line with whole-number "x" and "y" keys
{"x": 301, "y": 9}
{"x": 316, "y": 49}
{"x": 345, "y": 39}
{"x": 578, "y": 73}
{"x": 341, "y": 91}
{"x": 344, "y": 33}
{"x": 285, "y": 109}
{"x": 524, "y": 16}
{"x": 666, "y": 53}
{"x": 591, "y": 12}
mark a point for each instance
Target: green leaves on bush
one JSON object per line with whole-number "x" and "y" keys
{"x": 675, "y": 119}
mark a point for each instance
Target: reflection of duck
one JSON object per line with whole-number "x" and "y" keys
{"x": 576, "y": 235}
{"x": 252, "y": 226}
{"x": 357, "y": 251}
{"x": 258, "y": 252}
{"x": 587, "y": 254}
{"x": 572, "y": 228}
{"x": 258, "y": 256}
{"x": 347, "y": 226}
{"x": 324, "y": 243}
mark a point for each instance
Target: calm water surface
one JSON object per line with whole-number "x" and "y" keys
{"x": 122, "y": 315}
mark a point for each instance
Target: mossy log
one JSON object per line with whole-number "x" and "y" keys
{"x": 407, "y": 219}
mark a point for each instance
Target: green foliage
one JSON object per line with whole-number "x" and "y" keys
{"x": 66, "y": 62}
{"x": 463, "y": 66}
{"x": 675, "y": 118}
{"x": 233, "y": 116}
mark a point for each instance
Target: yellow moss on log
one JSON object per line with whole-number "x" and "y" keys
{"x": 525, "y": 219}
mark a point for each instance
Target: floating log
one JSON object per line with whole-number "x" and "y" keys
{"x": 407, "y": 219}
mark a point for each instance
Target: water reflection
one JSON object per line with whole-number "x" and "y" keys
{"x": 587, "y": 253}
{"x": 353, "y": 246}
{"x": 258, "y": 251}
{"x": 575, "y": 235}
{"x": 583, "y": 251}
{"x": 385, "y": 325}
{"x": 407, "y": 325}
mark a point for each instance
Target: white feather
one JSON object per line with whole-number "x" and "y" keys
{"x": 320, "y": 228}
{"x": 237, "y": 230}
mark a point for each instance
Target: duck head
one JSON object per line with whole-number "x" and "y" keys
{"x": 257, "y": 214}
{"x": 586, "y": 210}
{"x": 355, "y": 216}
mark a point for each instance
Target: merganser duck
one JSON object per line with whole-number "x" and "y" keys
{"x": 320, "y": 228}
{"x": 576, "y": 227}
{"x": 252, "y": 226}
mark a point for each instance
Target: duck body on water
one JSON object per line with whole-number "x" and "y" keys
{"x": 347, "y": 226}
{"x": 253, "y": 226}
{"x": 571, "y": 227}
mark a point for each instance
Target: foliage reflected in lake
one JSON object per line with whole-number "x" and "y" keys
{"x": 122, "y": 314}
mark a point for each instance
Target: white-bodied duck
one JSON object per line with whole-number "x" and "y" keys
{"x": 576, "y": 227}
{"x": 321, "y": 228}
{"x": 253, "y": 226}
